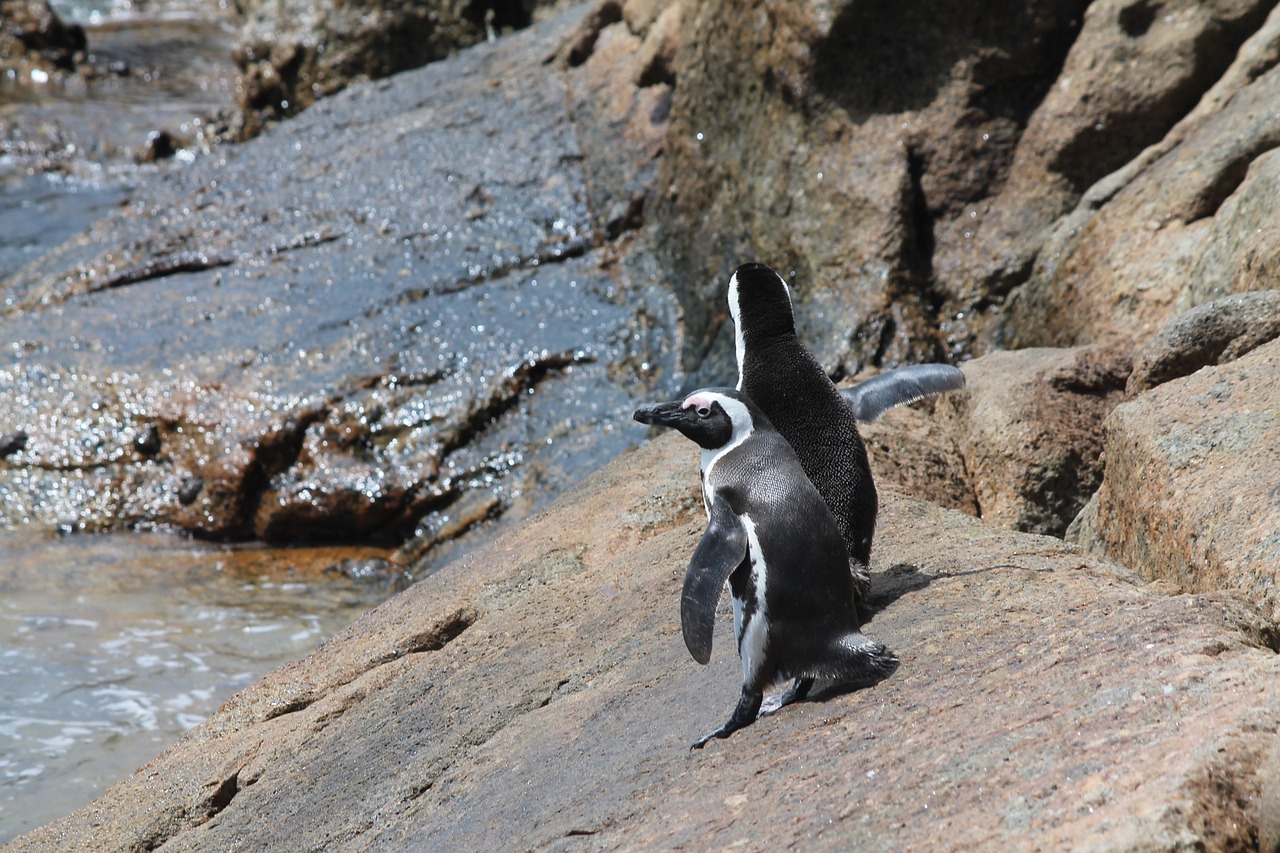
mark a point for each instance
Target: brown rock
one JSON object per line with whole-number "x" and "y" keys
{"x": 913, "y": 452}
{"x": 538, "y": 690}
{"x": 33, "y": 36}
{"x": 839, "y": 144}
{"x": 1215, "y": 333}
{"x": 620, "y": 83}
{"x": 1030, "y": 431}
{"x": 1132, "y": 72}
{"x": 1152, "y": 238}
{"x": 907, "y": 169}
{"x": 1189, "y": 492}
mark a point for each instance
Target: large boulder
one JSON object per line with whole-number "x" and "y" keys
{"x": 906, "y": 166}
{"x": 1189, "y": 492}
{"x": 538, "y": 693}
{"x": 291, "y": 53}
{"x": 1183, "y": 224}
{"x": 1029, "y": 430}
{"x": 343, "y": 327}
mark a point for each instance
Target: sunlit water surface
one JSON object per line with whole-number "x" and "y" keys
{"x": 112, "y": 646}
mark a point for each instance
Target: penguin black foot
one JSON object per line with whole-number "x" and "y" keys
{"x": 795, "y": 693}
{"x": 743, "y": 715}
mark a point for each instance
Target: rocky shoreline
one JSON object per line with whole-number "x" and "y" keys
{"x": 1075, "y": 201}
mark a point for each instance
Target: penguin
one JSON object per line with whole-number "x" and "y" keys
{"x": 772, "y": 537}
{"x": 820, "y": 423}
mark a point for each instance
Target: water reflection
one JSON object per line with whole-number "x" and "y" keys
{"x": 110, "y": 647}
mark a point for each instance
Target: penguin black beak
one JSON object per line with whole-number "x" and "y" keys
{"x": 662, "y": 414}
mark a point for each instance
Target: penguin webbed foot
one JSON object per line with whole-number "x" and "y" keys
{"x": 743, "y": 715}
{"x": 795, "y": 693}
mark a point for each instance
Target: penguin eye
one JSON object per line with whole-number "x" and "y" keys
{"x": 703, "y": 411}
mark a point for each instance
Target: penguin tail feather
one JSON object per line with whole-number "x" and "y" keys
{"x": 857, "y": 661}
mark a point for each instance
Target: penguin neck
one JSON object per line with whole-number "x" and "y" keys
{"x": 760, "y": 343}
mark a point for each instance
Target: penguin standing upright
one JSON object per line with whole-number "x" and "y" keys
{"x": 770, "y": 534}
{"x": 820, "y": 422}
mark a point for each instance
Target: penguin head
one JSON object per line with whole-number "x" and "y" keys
{"x": 760, "y": 304}
{"x": 712, "y": 417}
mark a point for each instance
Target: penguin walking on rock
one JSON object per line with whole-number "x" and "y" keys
{"x": 772, "y": 537}
{"x": 819, "y": 421}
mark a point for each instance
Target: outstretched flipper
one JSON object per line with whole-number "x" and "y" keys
{"x": 722, "y": 549}
{"x": 872, "y": 398}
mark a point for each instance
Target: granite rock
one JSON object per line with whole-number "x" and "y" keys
{"x": 1029, "y": 428}
{"x": 1189, "y": 491}
{"x": 536, "y": 694}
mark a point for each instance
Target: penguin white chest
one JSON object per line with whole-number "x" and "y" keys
{"x": 750, "y": 616}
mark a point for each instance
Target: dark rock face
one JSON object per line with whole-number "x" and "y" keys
{"x": 292, "y": 53}
{"x": 343, "y": 327}
{"x": 33, "y": 36}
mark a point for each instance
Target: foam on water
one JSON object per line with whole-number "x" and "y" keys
{"x": 111, "y": 647}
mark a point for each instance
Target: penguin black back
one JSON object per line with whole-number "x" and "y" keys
{"x": 786, "y": 382}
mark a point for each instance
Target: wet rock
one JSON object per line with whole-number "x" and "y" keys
{"x": 33, "y": 37}
{"x": 1189, "y": 492}
{"x": 293, "y": 53}
{"x": 330, "y": 362}
{"x": 1042, "y": 694}
{"x": 1029, "y": 429}
{"x": 1175, "y": 227}
{"x": 147, "y": 442}
{"x": 161, "y": 145}
{"x": 1215, "y": 333}
{"x": 189, "y": 489}
{"x": 11, "y": 443}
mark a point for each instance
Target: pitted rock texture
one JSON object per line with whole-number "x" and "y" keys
{"x": 1213, "y": 333}
{"x": 537, "y": 694}
{"x": 1189, "y": 492}
{"x": 1029, "y": 429}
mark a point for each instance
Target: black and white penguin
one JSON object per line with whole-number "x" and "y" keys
{"x": 769, "y": 534}
{"x": 819, "y": 421}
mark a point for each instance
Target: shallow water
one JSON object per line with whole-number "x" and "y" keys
{"x": 112, "y": 646}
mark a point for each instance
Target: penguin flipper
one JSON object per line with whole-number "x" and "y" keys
{"x": 872, "y": 398}
{"x": 722, "y": 549}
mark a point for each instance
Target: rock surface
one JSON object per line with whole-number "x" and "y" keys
{"x": 1029, "y": 429}
{"x": 916, "y": 171}
{"x": 34, "y": 38}
{"x": 537, "y": 694}
{"x": 341, "y": 328}
{"x": 1213, "y": 333}
{"x": 1190, "y": 489}
{"x": 292, "y": 53}
{"x": 1176, "y": 226}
